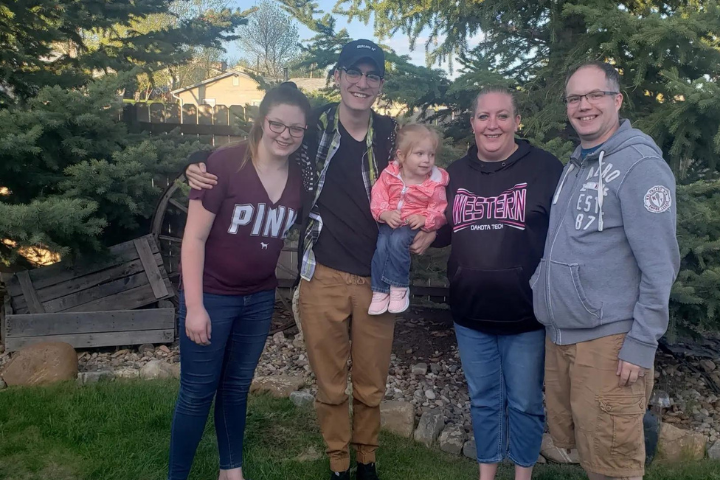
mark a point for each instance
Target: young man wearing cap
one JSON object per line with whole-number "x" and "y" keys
{"x": 603, "y": 287}
{"x": 341, "y": 158}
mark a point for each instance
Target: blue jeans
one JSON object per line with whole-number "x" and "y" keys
{"x": 223, "y": 370}
{"x": 505, "y": 379}
{"x": 391, "y": 262}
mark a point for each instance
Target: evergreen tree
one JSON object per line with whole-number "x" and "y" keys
{"x": 76, "y": 179}
{"x": 667, "y": 52}
{"x": 66, "y": 43}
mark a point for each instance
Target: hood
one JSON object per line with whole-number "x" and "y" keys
{"x": 438, "y": 177}
{"x": 489, "y": 168}
{"x": 626, "y": 136}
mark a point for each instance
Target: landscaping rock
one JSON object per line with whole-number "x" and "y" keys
{"x": 707, "y": 365}
{"x": 175, "y": 371}
{"x": 714, "y": 451}
{"x": 430, "y": 426}
{"x": 419, "y": 369}
{"x": 541, "y": 460}
{"x": 302, "y": 398}
{"x": 660, "y": 399}
{"x": 298, "y": 342}
{"x": 435, "y": 368}
{"x": 42, "y": 364}
{"x": 470, "y": 450}
{"x": 430, "y": 394}
{"x": 155, "y": 369}
{"x": 86, "y": 378}
{"x": 398, "y": 417}
{"x": 452, "y": 439}
{"x": 164, "y": 349}
{"x": 2, "y": 384}
{"x": 146, "y": 349}
{"x": 278, "y": 386}
{"x": 555, "y": 454}
{"x": 279, "y": 338}
{"x": 677, "y": 445}
{"x": 127, "y": 372}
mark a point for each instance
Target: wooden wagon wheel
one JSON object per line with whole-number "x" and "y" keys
{"x": 168, "y": 226}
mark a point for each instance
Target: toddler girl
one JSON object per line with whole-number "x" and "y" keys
{"x": 408, "y": 196}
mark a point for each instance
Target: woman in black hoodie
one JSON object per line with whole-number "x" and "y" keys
{"x": 499, "y": 199}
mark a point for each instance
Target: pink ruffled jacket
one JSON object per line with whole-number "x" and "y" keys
{"x": 427, "y": 199}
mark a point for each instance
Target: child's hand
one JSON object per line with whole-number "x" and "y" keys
{"x": 416, "y": 221}
{"x": 392, "y": 218}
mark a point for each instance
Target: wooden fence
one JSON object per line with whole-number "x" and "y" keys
{"x": 219, "y": 123}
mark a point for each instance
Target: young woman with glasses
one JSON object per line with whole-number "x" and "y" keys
{"x": 232, "y": 241}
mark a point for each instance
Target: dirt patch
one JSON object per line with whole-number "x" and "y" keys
{"x": 424, "y": 335}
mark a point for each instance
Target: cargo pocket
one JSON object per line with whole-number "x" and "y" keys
{"x": 620, "y": 426}
{"x": 570, "y": 306}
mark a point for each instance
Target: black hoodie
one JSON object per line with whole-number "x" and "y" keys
{"x": 498, "y": 216}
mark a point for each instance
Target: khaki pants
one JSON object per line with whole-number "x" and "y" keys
{"x": 333, "y": 311}
{"x": 587, "y": 409}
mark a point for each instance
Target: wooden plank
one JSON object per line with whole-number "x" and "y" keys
{"x": 29, "y": 292}
{"x": 7, "y": 310}
{"x": 63, "y": 271}
{"x": 179, "y": 205}
{"x": 120, "y": 285}
{"x": 92, "y": 340}
{"x": 68, "y": 323}
{"x": 76, "y": 285}
{"x": 151, "y": 269}
{"x": 189, "y": 126}
{"x": 127, "y": 300}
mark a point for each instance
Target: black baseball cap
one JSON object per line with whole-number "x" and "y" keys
{"x": 358, "y": 50}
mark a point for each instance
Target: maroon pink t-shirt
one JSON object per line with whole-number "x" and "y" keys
{"x": 248, "y": 233}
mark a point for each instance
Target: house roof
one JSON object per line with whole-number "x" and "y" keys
{"x": 214, "y": 79}
{"x": 304, "y": 83}
{"x": 310, "y": 84}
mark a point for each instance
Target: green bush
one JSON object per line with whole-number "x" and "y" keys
{"x": 695, "y": 297}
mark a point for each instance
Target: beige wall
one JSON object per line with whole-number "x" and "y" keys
{"x": 225, "y": 92}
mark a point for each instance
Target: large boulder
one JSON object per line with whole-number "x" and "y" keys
{"x": 555, "y": 454}
{"x": 42, "y": 364}
{"x": 398, "y": 417}
{"x": 452, "y": 439}
{"x": 677, "y": 445}
{"x": 430, "y": 426}
{"x": 280, "y": 386}
{"x": 156, "y": 369}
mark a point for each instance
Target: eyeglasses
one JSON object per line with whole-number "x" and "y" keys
{"x": 277, "y": 127}
{"x": 354, "y": 75}
{"x": 593, "y": 97}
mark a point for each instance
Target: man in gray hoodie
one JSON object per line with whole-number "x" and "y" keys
{"x": 602, "y": 289}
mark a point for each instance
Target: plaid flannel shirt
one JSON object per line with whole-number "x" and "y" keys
{"x": 315, "y": 170}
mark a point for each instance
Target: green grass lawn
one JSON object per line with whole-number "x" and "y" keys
{"x": 121, "y": 431}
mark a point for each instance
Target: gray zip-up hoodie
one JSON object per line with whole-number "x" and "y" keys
{"x": 610, "y": 259}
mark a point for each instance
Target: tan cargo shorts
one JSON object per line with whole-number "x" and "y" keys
{"x": 587, "y": 409}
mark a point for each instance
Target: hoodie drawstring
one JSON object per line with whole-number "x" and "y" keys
{"x": 601, "y": 190}
{"x": 567, "y": 172}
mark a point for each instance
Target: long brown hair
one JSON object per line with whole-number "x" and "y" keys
{"x": 286, "y": 93}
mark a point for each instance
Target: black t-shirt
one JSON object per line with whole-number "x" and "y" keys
{"x": 349, "y": 232}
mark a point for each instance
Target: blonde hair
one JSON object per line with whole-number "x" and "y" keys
{"x": 411, "y": 134}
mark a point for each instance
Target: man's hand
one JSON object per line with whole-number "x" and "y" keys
{"x": 416, "y": 221}
{"x": 628, "y": 373}
{"x": 198, "y": 178}
{"x": 392, "y": 218}
{"x": 422, "y": 241}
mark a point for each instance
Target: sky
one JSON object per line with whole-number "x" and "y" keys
{"x": 356, "y": 29}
